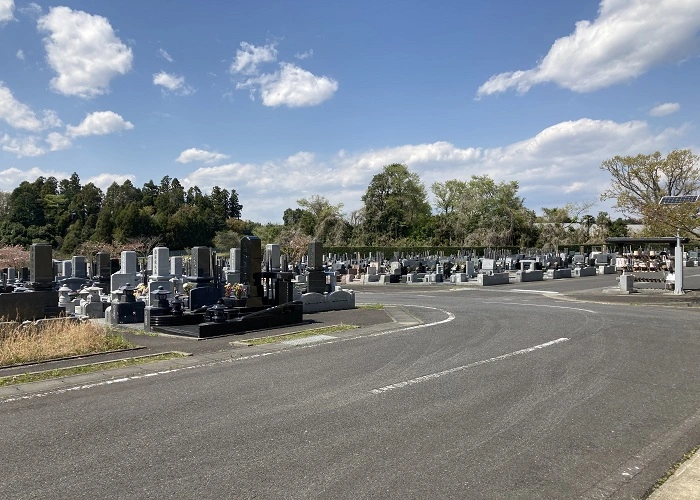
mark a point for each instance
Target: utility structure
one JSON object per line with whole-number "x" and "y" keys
{"x": 673, "y": 242}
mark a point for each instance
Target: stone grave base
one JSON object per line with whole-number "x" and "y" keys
{"x": 287, "y": 314}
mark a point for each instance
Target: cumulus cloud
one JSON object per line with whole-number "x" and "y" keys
{"x": 293, "y": 87}
{"x": 22, "y": 146}
{"x": 7, "y": 8}
{"x": 200, "y": 155}
{"x": 20, "y": 54}
{"x": 104, "y": 180}
{"x": 99, "y": 123}
{"x": 665, "y": 109}
{"x": 15, "y": 113}
{"x": 173, "y": 83}
{"x": 58, "y": 141}
{"x": 626, "y": 40}
{"x": 558, "y": 165}
{"x": 249, "y": 56}
{"x": 14, "y": 176}
{"x": 84, "y": 51}
{"x": 20, "y": 116}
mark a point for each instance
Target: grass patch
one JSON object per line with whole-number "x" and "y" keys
{"x": 324, "y": 330}
{"x": 378, "y": 307}
{"x": 58, "y": 339}
{"x": 670, "y": 472}
{"x": 82, "y": 369}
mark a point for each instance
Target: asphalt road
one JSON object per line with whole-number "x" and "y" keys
{"x": 500, "y": 393}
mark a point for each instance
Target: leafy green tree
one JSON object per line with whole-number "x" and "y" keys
{"x": 639, "y": 182}
{"x": 482, "y": 212}
{"x": 234, "y": 205}
{"x": 395, "y": 201}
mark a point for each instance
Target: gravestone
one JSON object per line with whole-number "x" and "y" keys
{"x": 272, "y": 253}
{"x": 203, "y": 296}
{"x": 176, "y": 265}
{"x": 41, "y": 266}
{"x": 233, "y": 274}
{"x": 201, "y": 262}
{"x": 66, "y": 268}
{"x": 316, "y": 277}
{"x": 129, "y": 262}
{"x": 315, "y": 252}
{"x": 251, "y": 265}
{"x": 125, "y": 309}
{"x": 79, "y": 266}
{"x": 161, "y": 264}
{"x": 103, "y": 265}
{"x": 235, "y": 260}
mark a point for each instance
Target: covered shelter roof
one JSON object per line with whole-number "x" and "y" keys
{"x": 665, "y": 240}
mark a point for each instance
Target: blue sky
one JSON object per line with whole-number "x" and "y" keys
{"x": 283, "y": 100}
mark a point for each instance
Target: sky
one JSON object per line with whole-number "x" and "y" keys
{"x": 284, "y": 100}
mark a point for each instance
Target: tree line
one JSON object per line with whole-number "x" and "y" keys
{"x": 477, "y": 212}
{"x": 68, "y": 214}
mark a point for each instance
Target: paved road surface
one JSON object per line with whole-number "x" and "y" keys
{"x": 500, "y": 393}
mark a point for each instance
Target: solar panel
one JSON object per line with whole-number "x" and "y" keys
{"x": 677, "y": 200}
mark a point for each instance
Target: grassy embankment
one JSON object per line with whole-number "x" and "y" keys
{"x": 59, "y": 339}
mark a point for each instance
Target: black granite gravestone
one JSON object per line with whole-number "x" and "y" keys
{"x": 41, "y": 266}
{"x": 315, "y": 256}
{"x": 251, "y": 267}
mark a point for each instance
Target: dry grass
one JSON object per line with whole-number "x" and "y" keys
{"x": 31, "y": 343}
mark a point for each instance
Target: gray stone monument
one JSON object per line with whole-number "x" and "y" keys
{"x": 201, "y": 264}
{"x": 161, "y": 263}
{"x": 176, "y": 266}
{"x": 128, "y": 263}
{"x": 272, "y": 253}
{"x": 79, "y": 265}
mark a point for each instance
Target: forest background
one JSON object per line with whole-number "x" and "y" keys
{"x": 396, "y": 214}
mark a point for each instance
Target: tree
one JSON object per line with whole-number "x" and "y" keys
{"x": 395, "y": 200}
{"x": 234, "y": 205}
{"x": 565, "y": 225}
{"x": 448, "y": 195}
{"x": 639, "y": 182}
{"x": 482, "y": 212}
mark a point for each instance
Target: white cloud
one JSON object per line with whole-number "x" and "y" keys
{"x": 84, "y": 51}
{"x": 20, "y": 54}
{"x": 57, "y": 141}
{"x": 626, "y": 40}
{"x": 22, "y": 147}
{"x": 99, "y": 123}
{"x": 164, "y": 54}
{"x": 104, "y": 180}
{"x": 292, "y": 86}
{"x": 172, "y": 83}
{"x": 15, "y": 113}
{"x": 304, "y": 55}
{"x": 7, "y": 8}
{"x": 51, "y": 119}
{"x": 200, "y": 155}
{"x": 31, "y": 9}
{"x": 249, "y": 56}
{"x": 14, "y": 176}
{"x": 560, "y": 164}
{"x": 665, "y": 109}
